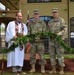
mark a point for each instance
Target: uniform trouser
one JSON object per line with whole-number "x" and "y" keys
{"x": 56, "y": 51}
{"x": 37, "y": 48}
{"x": 16, "y": 69}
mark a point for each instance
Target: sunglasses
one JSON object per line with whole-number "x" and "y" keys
{"x": 54, "y": 12}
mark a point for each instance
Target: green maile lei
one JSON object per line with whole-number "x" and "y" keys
{"x": 25, "y": 39}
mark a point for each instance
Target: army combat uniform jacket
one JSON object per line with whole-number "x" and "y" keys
{"x": 34, "y": 27}
{"x": 58, "y": 26}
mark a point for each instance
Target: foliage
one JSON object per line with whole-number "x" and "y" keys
{"x": 24, "y": 40}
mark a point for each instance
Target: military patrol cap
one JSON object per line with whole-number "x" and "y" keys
{"x": 36, "y": 11}
{"x": 55, "y": 10}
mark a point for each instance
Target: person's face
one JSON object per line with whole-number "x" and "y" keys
{"x": 36, "y": 16}
{"x": 19, "y": 17}
{"x": 55, "y": 14}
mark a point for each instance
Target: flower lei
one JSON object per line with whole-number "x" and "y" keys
{"x": 17, "y": 33}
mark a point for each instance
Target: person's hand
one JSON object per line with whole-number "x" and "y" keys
{"x": 15, "y": 37}
{"x": 53, "y": 36}
{"x": 59, "y": 34}
{"x": 20, "y": 34}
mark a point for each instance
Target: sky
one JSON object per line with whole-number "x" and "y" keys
{"x": 2, "y": 6}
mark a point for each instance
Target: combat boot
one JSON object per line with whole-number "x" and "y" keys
{"x": 53, "y": 70}
{"x": 42, "y": 69}
{"x": 32, "y": 68}
{"x": 61, "y": 70}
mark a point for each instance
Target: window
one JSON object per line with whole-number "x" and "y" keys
{"x": 44, "y": 18}
{"x": 37, "y": 1}
{"x": 2, "y": 35}
{"x": 71, "y": 0}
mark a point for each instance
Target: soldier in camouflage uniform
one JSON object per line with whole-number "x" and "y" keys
{"x": 56, "y": 25}
{"x": 37, "y": 45}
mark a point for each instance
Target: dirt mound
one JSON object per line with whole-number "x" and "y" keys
{"x": 69, "y": 65}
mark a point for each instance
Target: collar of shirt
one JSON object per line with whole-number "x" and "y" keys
{"x": 36, "y": 21}
{"x": 18, "y": 22}
{"x": 56, "y": 20}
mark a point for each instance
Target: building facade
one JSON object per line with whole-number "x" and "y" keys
{"x": 65, "y": 8}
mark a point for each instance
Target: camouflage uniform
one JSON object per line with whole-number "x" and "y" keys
{"x": 37, "y": 45}
{"x": 57, "y": 26}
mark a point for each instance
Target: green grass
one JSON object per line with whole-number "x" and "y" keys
{"x": 47, "y": 56}
{"x": 69, "y": 56}
{"x": 6, "y": 73}
{"x": 65, "y": 56}
{"x": 1, "y": 56}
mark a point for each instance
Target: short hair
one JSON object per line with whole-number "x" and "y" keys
{"x": 18, "y": 12}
